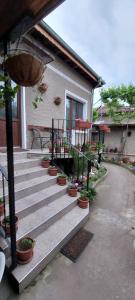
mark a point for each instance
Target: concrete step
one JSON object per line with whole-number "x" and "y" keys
{"x": 34, "y": 185}
{"x": 33, "y": 202}
{"x": 41, "y": 219}
{"x": 25, "y": 163}
{"x": 48, "y": 244}
{"x": 27, "y": 174}
{"x": 17, "y": 155}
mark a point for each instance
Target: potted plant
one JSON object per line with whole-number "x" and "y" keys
{"x": 126, "y": 160}
{"x": 42, "y": 87}
{"x": 1, "y": 206}
{"x": 57, "y": 149}
{"x": 24, "y": 68}
{"x": 45, "y": 163}
{"x": 52, "y": 171}
{"x": 72, "y": 190}
{"x": 62, "y": 179}
{"x": 83, "y": 200}
{"x": 57, "y": 100}
{"x": 24, "y": 250}
{"x": 6, "y": 224}
{"x": 82, "y": 124}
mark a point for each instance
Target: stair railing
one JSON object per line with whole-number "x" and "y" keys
{"x": 3, "y": 229}
{"x": 75, "y": 160}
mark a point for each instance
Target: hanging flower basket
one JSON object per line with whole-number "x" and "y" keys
{"x": 42, "y": 88}
{"x": 24, "y": 69}
{"x": 104, "y": 128}
{"x": 81, "y": 124}
{"x": 57, "y": 100}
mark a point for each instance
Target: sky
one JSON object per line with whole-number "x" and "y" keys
{"x": 102, "y": 32}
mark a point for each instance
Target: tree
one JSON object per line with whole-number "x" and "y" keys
{"x": 120, "y": 106}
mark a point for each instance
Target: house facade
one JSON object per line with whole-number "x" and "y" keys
{"x": 67, "y": 77}
{"x": 116, "y": 138}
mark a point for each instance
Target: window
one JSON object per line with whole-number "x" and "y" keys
{"x": 74, "y": 110}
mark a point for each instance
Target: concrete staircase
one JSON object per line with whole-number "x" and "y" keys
{"x": 46, "y": 213}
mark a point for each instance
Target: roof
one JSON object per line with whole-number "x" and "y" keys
{"x": 102, "y": 109}
{"x": 104, "y": 119}
{"x": 17, "y": 17}
{"x": 69, "y": 54}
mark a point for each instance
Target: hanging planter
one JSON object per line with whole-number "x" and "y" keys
{"x": 81, "y": 124}
{"x": 57, "y": 100}
{"x": 24, "y": 69}
{"x": 42, "y": 88}
{"x": 104, "y": 128}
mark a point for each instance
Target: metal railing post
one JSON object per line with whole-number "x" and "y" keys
{"x": 88, "y": 173}
{"x": 10, "y": 167}
{"x": 52, "y": 141}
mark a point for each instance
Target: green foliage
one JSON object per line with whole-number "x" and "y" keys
{"x": 1, "y": 200}
{"x": 45, "y": 158}
{"x": 7, "y": 91}
{"x": 100, "y": 146}
{"x": 25, "y": 244}
{"x": 95, "y": 115}
{"x": 90, "y": 194}
{"x": 36, "y": 101}
{"x": 62, "y": 175}
{"x": 116, "y": 97}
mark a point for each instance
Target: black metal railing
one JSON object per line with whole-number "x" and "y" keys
{"x": 5, "y": 217}
{"x": 72, "y": 152}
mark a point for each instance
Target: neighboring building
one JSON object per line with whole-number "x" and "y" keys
{"x": 114, "y": 140}
{"x": 67, "y": 77}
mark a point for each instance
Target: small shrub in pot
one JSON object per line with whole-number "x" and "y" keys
{"x": 72, "y": 190}
{"x": 83, "y": 200}
{"x": 45, "y": 163}
{"x": 24, "y": 250}
{"x": 52, "y": 171}
{"x": 6, "y": 224}
{"x": 62, "y": 179}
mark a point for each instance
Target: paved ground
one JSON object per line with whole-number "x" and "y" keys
{"x": 106, "y": 269}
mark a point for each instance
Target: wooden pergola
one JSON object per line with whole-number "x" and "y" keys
{"x": 17, "y": 18}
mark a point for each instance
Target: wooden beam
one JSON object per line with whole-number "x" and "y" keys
{"x": 64, "y": 51}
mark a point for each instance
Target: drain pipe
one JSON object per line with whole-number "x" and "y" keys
{"x": 99, "y": 84}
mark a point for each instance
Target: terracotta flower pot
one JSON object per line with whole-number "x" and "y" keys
{"x": 45, "y": 163}
{"x": 83, "y": 202}
{"x": 81, "y": 124}
{"x": 8, "y": 226}
{"x": 57, "y": 100}
{"x": 72, "y": 192}
{"x": 52, "y": 171}
{"x": 61, "y": 180}
{"x": 42, "y": 88}
{"x": 24, "y": 69}
{"x": 1, "y": 209}
{"x": 24, "y": 256}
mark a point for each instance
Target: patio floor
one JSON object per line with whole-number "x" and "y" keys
{"x": 106, "y": 268}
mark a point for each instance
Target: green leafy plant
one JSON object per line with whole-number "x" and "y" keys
{"x": 62, "y": 176}
{"x": 7, "y": 91}
{"x": 45, "y": 158}
{"x": 71, "y": 186}
{"x": 1, "y": 200}
{"x": 120, "y": 106}
{"x": 90, "y": 194}
{"x": 26, "y": 244}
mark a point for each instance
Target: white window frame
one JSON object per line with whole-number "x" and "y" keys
{"x": 85, "y": 109}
